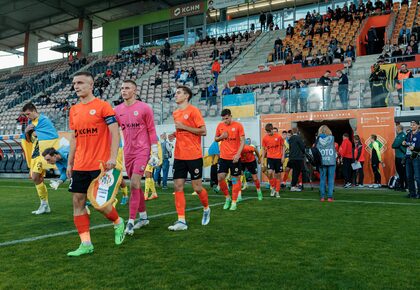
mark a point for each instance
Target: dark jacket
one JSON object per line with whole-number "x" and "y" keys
{"x": 296, "y": 148}
{"x": 400, "y": 150}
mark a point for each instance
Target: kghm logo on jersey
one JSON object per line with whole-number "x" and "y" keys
{"x": 86, "y": 132}
{"x": 92, "y": 112}
{"x": 186, "y": 116}
{"x": 130, "y": 126}
{"x": 233, "y": 129}
{"x": 136, "y": 113}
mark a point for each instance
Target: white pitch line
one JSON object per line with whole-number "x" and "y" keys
{"x": 355, "y": 201}
{"x": 64, "y": 233}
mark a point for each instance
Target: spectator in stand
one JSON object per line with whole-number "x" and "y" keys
{"x": 167, "y": 49}
{"x": 379, "y": 6}
{"x": 215, "y": 53}
{"x": 359, "y": 160}
{"x": 215, "y": 70}
{"x": 376, "y": 159}
{"x": 263, "y": 19}
{"x": 236, "y": 90}
{"x": 108, "y": 72}
{"x": 154, "y": 59}
{"x": 369, "y": 7}
{"x": 346, "y": 154}
{"x": 377, "y": 82}
{"x": 303, "y": 96}
{"x": 400, "y": 152}
{"x": 184, "y": 77}
{"x": 404, "y": 2}
{"x": 270, "y": 23}
{"x": 192, "y": 76}
{"x": 404, "y": 35}
{"x": 283, "y": 93}
{"x": 290, "y": 30}
{"x": 163, "y": 66}
{"x": 171, "y": 65}
{"x": 177, "y": 74}
{"x": 226, "y": 90}
{"x": 325, "y": 145}
{"x": 343, "y": 89}
{"x": 412, "y": 160}
{"x": 388, "y": 6}
{"x": 294, "y": 94}
{"x": 296, "y": 157}
{"x": 204, "y": 93}
{"x": 158, "y": 80}
{"x": 212, "y": 94}
{"x": 403, "y": 74}
{"x": 326, "y": 83}
{"x": 169, "y": 94}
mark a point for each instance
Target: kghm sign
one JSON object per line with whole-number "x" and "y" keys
{"x": 187, "y": 9}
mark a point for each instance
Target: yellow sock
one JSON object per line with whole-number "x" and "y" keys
{"x": 124, "y": 191}
{"x": 146, "y": 186}
{"x": 151, "y": 185}
{"x": 42, "y": 191}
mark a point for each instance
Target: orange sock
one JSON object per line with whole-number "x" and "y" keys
{"x": 180, "y": 204}
{"x": 113, "y": 216}
{"x": 224, "y": 188}
{"x": 277, "y": 185}
{"x": 257, "y": 184}
{"x": 204, "y": 198}
{"x": 82, "y": 223}
{"x": 236, "y": 188}
{"x": 273, "y": 182}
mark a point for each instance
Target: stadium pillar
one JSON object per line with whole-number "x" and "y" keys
{"x": 30, "y": 54}
{"x": 84, "y": 40}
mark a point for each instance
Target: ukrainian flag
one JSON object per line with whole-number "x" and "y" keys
{"x": 241, "y": 105}
{"x": 411, "y": 89}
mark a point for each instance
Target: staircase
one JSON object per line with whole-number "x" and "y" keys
{"x": 361, "y": 67}
{"x": 253, "y": 57}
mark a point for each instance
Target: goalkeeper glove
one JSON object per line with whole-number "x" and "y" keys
{"x": 55, "y": 184}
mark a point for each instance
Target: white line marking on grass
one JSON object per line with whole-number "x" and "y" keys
{"x": 64, "y": 233}
{"x": 355, "y": 201}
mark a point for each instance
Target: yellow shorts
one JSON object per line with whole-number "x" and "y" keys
{"x": 38, "y": 165}
{"x": 119, "y": 164}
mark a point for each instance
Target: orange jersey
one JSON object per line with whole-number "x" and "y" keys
{"x": 247, "y": 154}
{"x": 230, "y": 146}
{"x": 188, "y": 145}
{"x": 273, "y": 145}
{"x": 92, "y": 136}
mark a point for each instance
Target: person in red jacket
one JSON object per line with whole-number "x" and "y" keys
{"x": 359, "y": 157}
{"x": 215, "y": 70}
{"x": 346, "y": 153}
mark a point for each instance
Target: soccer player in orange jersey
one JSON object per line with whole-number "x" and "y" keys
{"x": 273, "y": 150}
{"x": 232, "y": 137}
{"x": 94, "y": 138}
{"x": 248, "y": 162}
{"x": 188, "y": 158}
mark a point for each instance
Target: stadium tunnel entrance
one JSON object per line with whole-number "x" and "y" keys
{"x": 309, "y": 129}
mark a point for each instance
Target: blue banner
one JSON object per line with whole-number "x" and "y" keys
{"x": 241, "y": 105}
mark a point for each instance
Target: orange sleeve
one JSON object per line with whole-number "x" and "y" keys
{"x": 71, "y": 125}
{"x": 198, "y": 119}
{"x": 264, "y": 142}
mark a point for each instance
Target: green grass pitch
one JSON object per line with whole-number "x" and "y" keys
{"x": 366, "y": 239}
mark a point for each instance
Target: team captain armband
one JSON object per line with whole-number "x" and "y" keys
{"x": 110, "y": 120}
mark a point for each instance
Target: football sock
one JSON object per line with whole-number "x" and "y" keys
{"x": 146, "y": 186}
{"x": 124, "y": 190}
{"x": 224, "y": 188}
{"x": 236, "y": 188}
{"x": 151, "y": 185}
{"x": 42, "y": 191}
{"x": 277, "y": 185}
{"x": 134, "y": 202}
{"x": 143, "y": 215}
{"x": 142, "y": 203}
{"x": 285, "y": 176}
{"x": 180, "y": 205}
{"x": 82, "y": 223}
{"x": 131, "y": 221}
{"x": 257, "y": 184}
{"x": 113, "y": 216}
{"x": 204, "y": 198}
{"x": 273, "y": 182}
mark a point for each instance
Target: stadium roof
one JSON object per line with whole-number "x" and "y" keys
{"x": 49, "y": 19}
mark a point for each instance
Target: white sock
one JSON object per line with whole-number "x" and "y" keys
{"x": 143, "y": 215}
{"x": 44, "y": 202}
{"x": 131, "y": 221}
